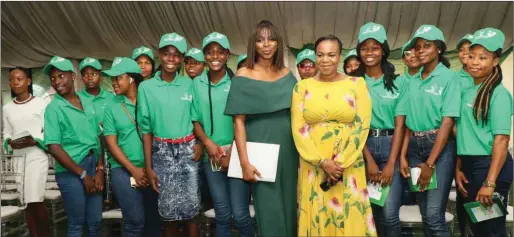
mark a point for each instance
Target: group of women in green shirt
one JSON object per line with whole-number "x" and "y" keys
{"x": 162, "y": 127}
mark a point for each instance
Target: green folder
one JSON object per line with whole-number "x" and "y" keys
{"x": 377, "y": 193}
{"x": 413, "y": 179}
{"x": 478, "y": 213}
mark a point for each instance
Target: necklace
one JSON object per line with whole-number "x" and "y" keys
{"x": 23, "y": 102}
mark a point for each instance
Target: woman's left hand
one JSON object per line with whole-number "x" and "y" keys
{"x": 225, "y": 159}
{"x": 99, "y": 180}
{"x": 485, "y": 196}
{"x": 425, "y": 176}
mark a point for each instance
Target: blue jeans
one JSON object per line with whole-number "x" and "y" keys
{"x": 81, "y": 208}
{"x": 387, "y": 218}
{"x": 476, "y": 169}
{"x": 432, "y": 203}
{"x": 231, "y": 199}
{"x": 138, "y": 206}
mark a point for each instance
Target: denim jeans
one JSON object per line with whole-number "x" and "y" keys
{"x": 81, "y": 208}
{"x": 387, "y": 218}
{"x": 138, "y": 205}
{"x": 432, "y": 203}
{"x": 475, "y": 169}
{"x": 231, "y": 199}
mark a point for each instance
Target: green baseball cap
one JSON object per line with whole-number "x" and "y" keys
{"x": 196, "y": 54}
{"x": 122, "y": 65}
{"x": 428, "y": 32}
{"x": 490, "y": 38}
{"x": 372, "y": 30}
{"x": 218, "y": 38}
{"x": 350, "y": 53}
{"x": 142, "y": 51}
{"x": 90, "y": 62}
{"x": 468, "y": 37}
{"x": 306, "y": 54}
{"x": 241, "y": 58}
{"x": 60, "y": 63}
{"x": 406, "y": 47}
{"x": 174, "y": 40}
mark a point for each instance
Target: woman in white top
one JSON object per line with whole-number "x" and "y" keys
{"x": 26, "y": 113}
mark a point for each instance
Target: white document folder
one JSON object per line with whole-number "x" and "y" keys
{"x": 263, "y": 156}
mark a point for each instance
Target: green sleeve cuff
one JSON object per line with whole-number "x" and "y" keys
{"x": 7, "y": 148}
{"x": 41, "y": 144}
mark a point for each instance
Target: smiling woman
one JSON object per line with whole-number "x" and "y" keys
{"x": 330, "y": 116}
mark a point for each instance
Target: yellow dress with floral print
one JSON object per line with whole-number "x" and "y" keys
{"x": 330, "y": 120}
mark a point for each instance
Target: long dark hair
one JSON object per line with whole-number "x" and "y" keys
{"x": 387, "y": 67}
{"x": 28, "y": 73}
{"x": 138, "y": 79}
{"x": 278, "y": 58}
{"x": 483, "y": 97}
{"x": 442, "y": 48}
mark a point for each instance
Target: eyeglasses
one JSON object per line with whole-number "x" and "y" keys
{"x": 307, "y": 65}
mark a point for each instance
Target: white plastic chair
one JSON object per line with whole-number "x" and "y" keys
{"x": 410, "y": 216}
{"x": 12, "y": 186}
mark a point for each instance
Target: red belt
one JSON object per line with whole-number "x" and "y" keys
{"x": 176, "y": 140}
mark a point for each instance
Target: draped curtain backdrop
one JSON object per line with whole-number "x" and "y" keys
{"x": 34, "y": 31}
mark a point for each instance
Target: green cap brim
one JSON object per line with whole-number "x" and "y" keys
{"x": 113, "y": 73}
{"x": 91, "y": 66}
{"x": 135, "y": 57}
{"x": 48, "y": 68}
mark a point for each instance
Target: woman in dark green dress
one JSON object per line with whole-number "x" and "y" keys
{"x": 260, "y": 101}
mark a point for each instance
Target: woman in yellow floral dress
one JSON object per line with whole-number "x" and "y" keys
{"x": 331, "y": 115}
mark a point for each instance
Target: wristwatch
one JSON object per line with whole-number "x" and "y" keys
{"x": 488, "y": 184}
{"x": 83, "y": 174}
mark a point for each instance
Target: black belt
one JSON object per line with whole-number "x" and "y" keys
{"x": 380, "y": 132}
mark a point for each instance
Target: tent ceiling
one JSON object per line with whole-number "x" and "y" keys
{"x": 34, "y": 31}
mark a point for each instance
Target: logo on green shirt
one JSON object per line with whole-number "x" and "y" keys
{"x": 435, "y": 90}
{"x": 187, "y": 97}
{"x": 227, "y": 89}
{"x": 389, "y": 95}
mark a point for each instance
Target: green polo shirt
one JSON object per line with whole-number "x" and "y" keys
{"x": 223, "y": 127}
{"x": 429, "y": 100}
{"x": 384, "y": 102}
{"x": 100, "y": 102}
{"x": 407, "y": 76}
{"x": 117, "y": 123}
{"x": 75, "y": 130}
{"x": 165, "y": 107}
{"x": 466, "y": 81}
{"x": 477, "y": 139}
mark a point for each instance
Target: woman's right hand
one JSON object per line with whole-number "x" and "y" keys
{"x": 212, "y": 150}
{"x": 460, "y": 180}
{"x": 404, "y": 167}
{"x": 22, "y": 143}
{"x": 140, "y": 177}
{"x": 89, "y": 184}
{"x": 153, "y": 180}
{"x": 249, "y": 172}
{"x": 333, "y": 170}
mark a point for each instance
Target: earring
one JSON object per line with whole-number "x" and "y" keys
{"x": 439, "y": 51}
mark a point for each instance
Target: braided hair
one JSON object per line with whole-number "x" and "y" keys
{"x": 138, "y": 78}
{"x": 481, "y": 104}
{"x": 387, "y": 68}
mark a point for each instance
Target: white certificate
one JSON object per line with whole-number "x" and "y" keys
{"x": 263, "y": 156}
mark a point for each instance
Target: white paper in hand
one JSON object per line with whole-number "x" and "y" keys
{"x": 374, "y": 191}
{"x": 414, "y": 174}
{"x": 263, "y": 156}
